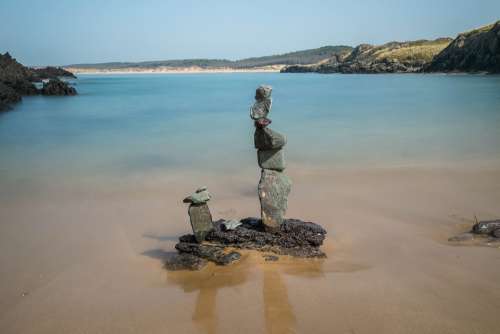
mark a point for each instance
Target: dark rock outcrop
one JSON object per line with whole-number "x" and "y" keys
{"x": 57, "y": 87}
{"x": 50, "y": 72}
{"x": 8, "y": 96}
{"x": 474, "y": 51}
{"x": 17, "y": 80}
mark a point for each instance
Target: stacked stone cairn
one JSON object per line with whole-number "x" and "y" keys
{"x": 216, "y": 241}
{"x": 274, "y": 185}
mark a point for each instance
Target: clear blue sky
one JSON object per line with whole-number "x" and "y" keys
{"x": 59, "y": 32}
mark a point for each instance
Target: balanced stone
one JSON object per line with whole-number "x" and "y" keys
{"x": 273, "y": 189}
{"x": 263, "y": 103}
{"x": 201, "y": 220}
{"x": 271, "y": 159}
{"x": 200, "y": 196}
{"x": 267, "y": 139}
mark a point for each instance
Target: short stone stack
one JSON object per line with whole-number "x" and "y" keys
{"x": 274, "y": 186}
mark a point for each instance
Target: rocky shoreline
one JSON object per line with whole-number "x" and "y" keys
{"x": 17, "y": 80}
{"x": 476, "y": 51}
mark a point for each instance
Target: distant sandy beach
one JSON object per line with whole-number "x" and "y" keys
{"x": 174, "y": 70}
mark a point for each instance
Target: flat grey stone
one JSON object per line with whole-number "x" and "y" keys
{"x": 201, "y": 196}
{"x": 271, "y": 159}
{"x": 201, "y": 220}
{"x": 273, "y": 189}
{"x": 267, "y": 139}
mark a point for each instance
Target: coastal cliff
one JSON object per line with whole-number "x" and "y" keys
{"x": 474, "y": 51}
{"x": 393, "y": 57}
{"x": 17, "y": 80}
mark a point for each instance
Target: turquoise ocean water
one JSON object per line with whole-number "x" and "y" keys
{"x": 122, "y": 125}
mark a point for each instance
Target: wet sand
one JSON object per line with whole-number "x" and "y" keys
{"x": 87, "y": 257}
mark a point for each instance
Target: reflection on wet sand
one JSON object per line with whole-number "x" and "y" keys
{"x": 207, "y": 282}
{"x": 278, "y": 314}
{"x": 277, "y": 309}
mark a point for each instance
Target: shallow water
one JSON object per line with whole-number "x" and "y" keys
{"x": 91, "y": 189}
{"x": 125, "y": 125}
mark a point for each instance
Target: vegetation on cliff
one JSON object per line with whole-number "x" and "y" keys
{"x": 473, "y": 51}
{"x": 391, "y": 57}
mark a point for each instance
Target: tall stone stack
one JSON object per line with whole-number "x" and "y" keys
{"x": 274, "y": 185}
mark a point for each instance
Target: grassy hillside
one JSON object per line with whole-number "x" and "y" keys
{"x": 391, "y": 57}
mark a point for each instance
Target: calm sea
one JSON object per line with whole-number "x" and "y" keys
{"x": 122, "y": 125}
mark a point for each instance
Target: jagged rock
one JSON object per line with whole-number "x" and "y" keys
{"x": 489, "y": 227}
{"x": 263, "y": 102}
{"x": 50, "y": 72}
{"x": 57, "y": 87}
{"x": 185, "y": 261}
{"x": 271, "y": 159}
{"x": 293, "y": 237}
{"x": 267, "y": 139}
{"x": 7, "y": 96}
{"x": 211, "y": 253}
{"x": 201, "y": 220}
{"x": 273, "y": 189}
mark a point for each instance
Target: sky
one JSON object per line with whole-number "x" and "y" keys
{"x": 62, "y": 32}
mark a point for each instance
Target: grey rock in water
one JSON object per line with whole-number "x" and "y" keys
{"x": 185, "y": 261}
{"x": 263, "y": 102}
{"x": 271, "y": 159}
{"x": 273, "y": 189}
{"x": 267, "y": 139}
{"x": 491, "y": 227}
{"x": 271, "y": 258}
{"x": 211, "y": 253}
{"x": 201, "y": 220}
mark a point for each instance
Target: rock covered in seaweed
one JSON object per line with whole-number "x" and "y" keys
{"x": 293, "y": 237}
{"x": 211, "y": 253}
{"x": 185, "y": 261}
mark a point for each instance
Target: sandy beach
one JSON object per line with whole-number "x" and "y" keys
{"x": 174, "y": 70}
{"x": 87, "y": 258}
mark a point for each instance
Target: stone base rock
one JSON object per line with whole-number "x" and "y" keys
{"x": 294, "y": 237}
{"x": 201, "y": 220}
{"x": 273, "y": 189}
